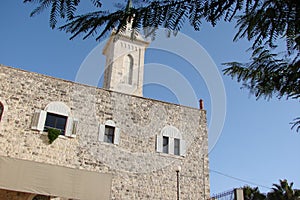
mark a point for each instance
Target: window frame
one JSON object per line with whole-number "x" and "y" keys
{"x": 62, "y": 131}
{"x": 173, "y": 134}
{"x": 176, "y": 146}
{"x": 109, "y": 132}
{"x": 101, "y": 132}
{"x": 57, "y": 108}
{"x": 166, "y": 143}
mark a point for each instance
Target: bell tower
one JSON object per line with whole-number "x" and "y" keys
{"x": 124, "y": 69}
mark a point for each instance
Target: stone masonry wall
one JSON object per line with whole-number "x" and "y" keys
{"x": 139, "y": 172}
{"x": 12, "y": 195}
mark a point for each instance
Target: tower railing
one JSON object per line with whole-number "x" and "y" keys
{"x": 234, "y": 194}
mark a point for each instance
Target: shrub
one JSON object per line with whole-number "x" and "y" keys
{"x": 53, "y": 134}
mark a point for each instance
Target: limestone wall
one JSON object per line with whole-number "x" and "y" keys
{"x": 139, "y": 171}
{"x": 12, "y": 195}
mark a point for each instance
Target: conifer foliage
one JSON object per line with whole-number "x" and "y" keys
{"x": 266, "y": 23}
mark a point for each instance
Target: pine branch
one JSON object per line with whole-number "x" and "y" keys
{"x": 59, "y": 9}
{"x": 266, "y": 21}
{"x": 266, "y": 76}
{"x": 96, "y": 3}
{"x": 296, "y": 124}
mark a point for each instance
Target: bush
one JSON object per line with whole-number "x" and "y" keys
{"x": 53, "y": 134}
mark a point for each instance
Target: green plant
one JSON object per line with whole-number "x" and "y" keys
{"x": 53, "y": 134}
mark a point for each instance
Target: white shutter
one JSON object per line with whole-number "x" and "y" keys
{"x": 74, "y": 128}
{"x": 159, "y": 143}
{"x": 42, "y": 120}
{"x": 35, "y": 119}
{"x": 69, "y": 127}
{"x": 101, "y": 132}
{"x": 38, "y": 121}
{"x": 117, "y": 136}
{"x": 182, "y": 147}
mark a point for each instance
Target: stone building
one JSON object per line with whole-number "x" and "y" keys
{"x": 112, "y": 144}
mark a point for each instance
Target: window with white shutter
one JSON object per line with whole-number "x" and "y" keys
{"x": 56, "y": 115}
{"x": 170, "y": 141}
{"x": 109, "y": 133}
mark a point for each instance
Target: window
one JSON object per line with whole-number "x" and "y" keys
{"x": 55, "y": 115}
{"x": 170, "y": 141}
{"x": 176, "y": 147}
{"x": 130, "y": 71}
{"x": 1, "y": 110}
{"x": 128, "y": 63}
{"x": 41, "y": 197}
{"x": 56, "y": 121}
{"x": 109, "y": 133}
{"x": 165, "y": 145}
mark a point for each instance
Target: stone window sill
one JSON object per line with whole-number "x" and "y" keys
{"x": 171, "y": 155}
{"x": 60, "y": 136}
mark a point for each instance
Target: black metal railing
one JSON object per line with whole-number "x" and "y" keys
{"x": 228, "y": 195}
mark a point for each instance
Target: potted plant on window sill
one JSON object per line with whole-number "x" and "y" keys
{"x": 53, "y": 134}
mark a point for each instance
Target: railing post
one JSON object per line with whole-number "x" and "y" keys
{"x": 178, "y": 182}
{"x": 238, "y": 194}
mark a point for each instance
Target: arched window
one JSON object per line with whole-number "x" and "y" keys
{"x": 109, "y": 133}
{"x": 170, "y": 141}
{"x": 1, "y": 110}
{"x": 128, "y": 63}
{"x": 56, "y": 115}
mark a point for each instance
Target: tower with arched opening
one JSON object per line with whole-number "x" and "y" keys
{"x": 124, "y": 67}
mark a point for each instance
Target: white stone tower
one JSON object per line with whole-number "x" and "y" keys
{"x": 124, "y": 69}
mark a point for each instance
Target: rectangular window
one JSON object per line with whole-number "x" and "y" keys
{"x": 165, "y": 145}
{"x": 109, "y": 134}
{"x": 176, "y": 147}
{"x": 56, "y": 121}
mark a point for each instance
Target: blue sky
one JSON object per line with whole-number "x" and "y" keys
{"x": 256, "y": 143}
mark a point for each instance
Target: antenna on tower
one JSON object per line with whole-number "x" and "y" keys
{"x": 128, "y": 6}
{"x": 129, "y": 28}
